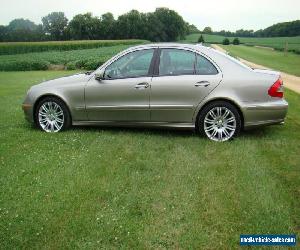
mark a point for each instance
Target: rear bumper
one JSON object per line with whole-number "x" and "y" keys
{"x": 257, "y": 114}
{"x": 28, "y": 112}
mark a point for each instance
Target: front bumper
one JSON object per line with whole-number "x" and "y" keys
{"x": 28, "y": 111}
{"x": 256, "y": 114}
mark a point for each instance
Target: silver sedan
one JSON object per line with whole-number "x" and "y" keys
{"x": 162, "y": 85}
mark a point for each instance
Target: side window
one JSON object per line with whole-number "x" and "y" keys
{"x": 133, "y": 64}
{"x": 176, "y": 62}
{"x": 205, "y": 67}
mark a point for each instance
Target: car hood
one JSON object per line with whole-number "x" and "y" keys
{"x": 65, "y": 80}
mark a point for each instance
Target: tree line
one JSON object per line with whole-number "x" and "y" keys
{"x": 277, "y": 30}
{"x": 162, "y": 25}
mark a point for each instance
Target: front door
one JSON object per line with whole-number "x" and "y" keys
{"x": 123, "y": 94}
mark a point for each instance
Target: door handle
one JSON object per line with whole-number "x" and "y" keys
{"x": 202, "y": 84}
{"x": 142, "y": 85}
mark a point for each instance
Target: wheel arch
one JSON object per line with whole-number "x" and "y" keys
{"x": 224, "y": 100}
{"x": 40, "y": 98}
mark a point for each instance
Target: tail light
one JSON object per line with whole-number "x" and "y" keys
{"x": 276, "y": 90}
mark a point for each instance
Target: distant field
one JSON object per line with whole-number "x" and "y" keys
{"x": 193, "y": 38}
{"x": 273, "y": 42}
{"x": 289, "y": 63}
{"x": 28, "y": 47}
{"x": 73, "y": 59}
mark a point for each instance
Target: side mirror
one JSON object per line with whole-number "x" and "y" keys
{"x": 99, "y": 76}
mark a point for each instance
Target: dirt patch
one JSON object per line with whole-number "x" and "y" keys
{"x": 263, "y": 47}
{"x": 57, "y": 67}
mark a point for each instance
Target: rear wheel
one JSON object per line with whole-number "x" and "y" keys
{"x": 52, "y": 115}
{"x": 219, "y": 121}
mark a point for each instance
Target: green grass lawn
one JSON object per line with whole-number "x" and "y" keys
{"x": 141, "y": 188}
{"x": 289, "y": 63}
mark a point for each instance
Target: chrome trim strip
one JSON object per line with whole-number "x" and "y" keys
{"x": 80, "y": 108}
{"x": 265, "y": 107}
{"x": 140, "y": 107}
{"x": 119, "y": 107}
{"x": 171, "y": 106}
{"x": 269, "y": 106}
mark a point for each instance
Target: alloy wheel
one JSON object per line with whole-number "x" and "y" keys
{"x": 51, "y": 116}
{"x": 220, "y": 124}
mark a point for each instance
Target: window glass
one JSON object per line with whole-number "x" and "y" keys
{"x": 205, "y": 67}
{"x": 176, "y": 62}
{"x": 134, "y": 64}
{"x": 234, "y": 60}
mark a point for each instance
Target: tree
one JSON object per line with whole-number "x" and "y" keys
{"x": 281, "y": 29}
{"x": 154, "y": 29}
{"x": 165, "y": 25}
{"x": 108, "y": 24}
{"x": 23, "y": 30}
{"x": 224, "y": 33}
{"x": 226, "y": 41}
{"x": 84, "y": 27}
{"x": 236, "y": 41}
{"x": 191, "y": 28}
{"x": 161, "y": 25}
{"x": 130, "y": 25}
{"x": 3, "y": 31}
{"x": 244, "y": 33}
{"x": 21, "y": 24}
{"x": 55, "y": 24}
{"x": 201, "y": 39}
{"x": 207, "y": 30}
{"x": 259, "y": 33}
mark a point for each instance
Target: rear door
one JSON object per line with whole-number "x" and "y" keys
{"x": 182, "y": 80}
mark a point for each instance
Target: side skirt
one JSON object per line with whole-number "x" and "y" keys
{"x": 189, "y": 126}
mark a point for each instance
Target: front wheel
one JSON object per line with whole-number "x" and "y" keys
{"x": 52, "y": 115}
{"x": 219, "y": 121}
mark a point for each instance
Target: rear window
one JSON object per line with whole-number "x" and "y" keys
{"x": 204, "y": 66}
{"x": 233, "y": 60}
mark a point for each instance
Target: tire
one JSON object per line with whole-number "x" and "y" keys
{"x": 52, "y": 115}
{"x": 219, "y": 121}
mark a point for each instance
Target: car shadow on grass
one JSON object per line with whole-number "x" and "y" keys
{"x": 168, "y": 132}
{"x": 260, "y": 132}
{"x": 139, "y": 130}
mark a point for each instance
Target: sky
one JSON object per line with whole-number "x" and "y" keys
{"x": 228, "y": 14}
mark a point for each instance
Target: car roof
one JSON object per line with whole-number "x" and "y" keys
{"x": 196, "y": 47}
{"x": 165, "y": 45}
